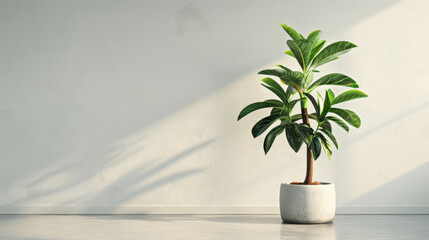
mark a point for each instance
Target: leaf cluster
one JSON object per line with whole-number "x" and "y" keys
{"x": 299, "y": 86}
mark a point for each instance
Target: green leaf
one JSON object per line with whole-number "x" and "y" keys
{"x": 296, "y": 52}
{"x": 333, "y": 79}
{"x": 316, "y": 45}
{"x": 280, "y": 94}
{"x": 308, "y": 80}
{"x": 305, "y": 132}
{"x": 290, "y": 91}
{"x": 315, "y": 105}
{"x": 313, "y": 116}
{"x": 291, "y": 75}
{"x": 263, "y": 125}
{"x": 293, "y": 137}
{"x": 277, "y": 111}
{"x": 326, "y": 125}
{"x": 291, "y": 78}
{"x": 290, "y": 53}
{"x": 271, "y": 136}
{"x": 329, "y": 98}
{"x": 326, "y": 145}
{"x": 350, "y": 117}
{"x": 273, "y": 72}
{"x": 274, "y": 102}
{"x": 292, "y": 104}
{"x": 333, "y": 59}
{"x": 315, "y": 147}
{"x": 305, "y": 46}
{"x": 284, "y": 68}
{"x": 330, "y": 135}
{"x": 272, "y": 83}
{"x": 293, "y": 81}
{"x": 292, "y": 33}
{"x": 314, "y": 37}
{"x": 285, "y": 74}
{"x": 340, "y": 123}
{"x": 319, "y": 102}
{"x": 316, "y": 49}
{"x": 259, "y": 105}
{"x": 295, "y": 117}
{"x": 301, "y": 49}
{"x": 349, "y": 95}
{"x": 331, "y": 52}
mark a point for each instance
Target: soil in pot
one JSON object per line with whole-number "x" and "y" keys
{"x": 301, "y": 183}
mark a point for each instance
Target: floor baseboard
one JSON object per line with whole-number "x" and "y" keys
{"x": 158, "y": 209}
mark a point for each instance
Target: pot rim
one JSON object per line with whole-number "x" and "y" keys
{"x": 301, "y": 185}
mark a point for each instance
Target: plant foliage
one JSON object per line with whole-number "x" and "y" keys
{"x": 300, "y": 86}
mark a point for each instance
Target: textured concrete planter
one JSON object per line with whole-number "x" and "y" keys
{"x": 307, "y": 203}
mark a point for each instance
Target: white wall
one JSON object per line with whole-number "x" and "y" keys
{"x": 134, "y": 103}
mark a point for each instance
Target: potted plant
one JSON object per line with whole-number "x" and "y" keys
{"x": 308, "y": 201}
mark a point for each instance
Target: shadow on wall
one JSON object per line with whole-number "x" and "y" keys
{"x": 98, "y": 73}
{"x": 400, "y": 191}
{"x": 135, "y": 176}
{"x": 379, "y": 166}
{"x": 385, "y": 124}
{"x": 138, "y": 176}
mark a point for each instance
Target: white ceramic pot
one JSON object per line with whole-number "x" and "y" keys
{"x": 307, "y": 203}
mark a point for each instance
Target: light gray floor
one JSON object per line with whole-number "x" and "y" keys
{"x": 106, "y": 227}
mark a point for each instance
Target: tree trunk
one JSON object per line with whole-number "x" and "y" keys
{"x": 309, "y": 174}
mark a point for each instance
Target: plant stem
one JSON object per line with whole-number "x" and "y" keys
{"x": 309, "y": 173}
{"x": 306, "y": 121}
